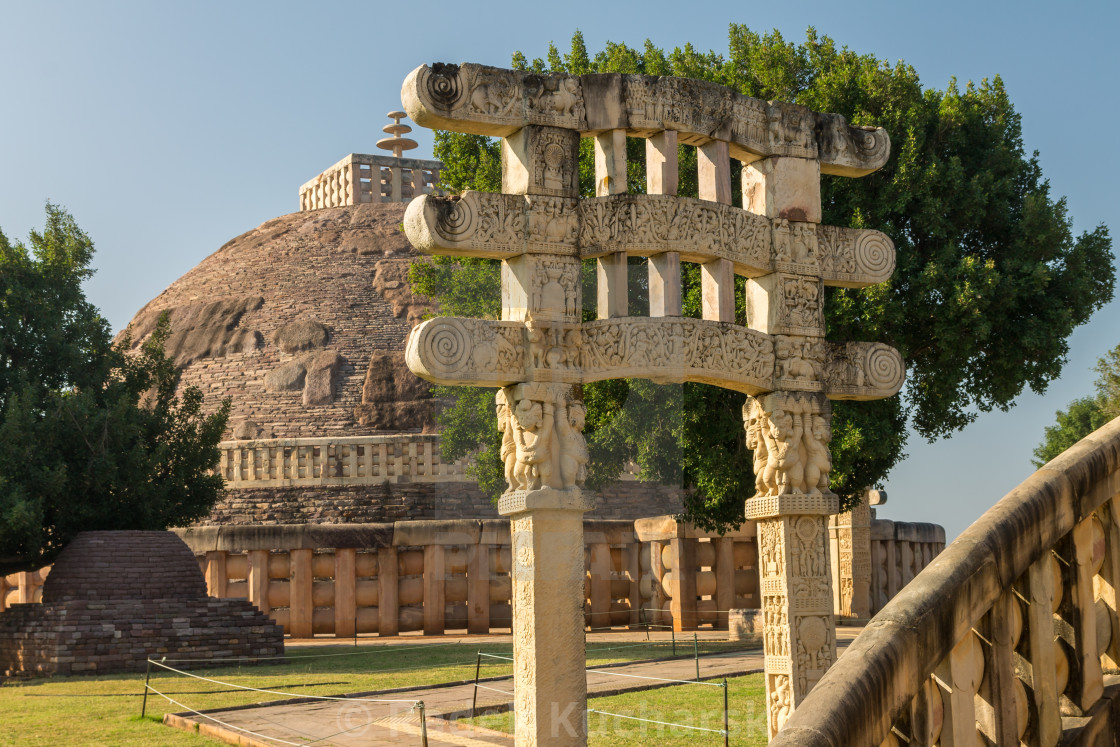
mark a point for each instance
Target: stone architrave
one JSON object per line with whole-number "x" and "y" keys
{"x": 540, "y": 350}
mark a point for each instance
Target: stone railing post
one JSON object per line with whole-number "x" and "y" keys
{"x": 633, "y": 553}
{"x": 258, "y": 579}
{"x": 600, "y": 596}
{"x": 345, "y": 592}
{"x": 850, "y": 545}
{"x": 216, "y": 573}
{"x": 478, "y": 589}
{"x": 388, "y": 607}
{"x": 300, "y": 604}
{"x": 435, "y": 598}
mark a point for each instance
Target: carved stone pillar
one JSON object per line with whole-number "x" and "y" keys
{"x": 789, "y": 433}
{"x": 851, "y": 561}
{"x": 549, "y": 681}
{"x": 545, "y": 456}
{"x": 543, "y": 446}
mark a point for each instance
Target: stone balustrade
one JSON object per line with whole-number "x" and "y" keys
{"x": 362, "y": 178}
{"x": 695, "y": 577}
{"x": 899, "y": 552}
{"x": 408, "y": 576}
{"x": 1006, "y": 637}
{"x": 349, "y": 460}
{"x": 21, "y": 588}
{"x": 330, "y": 575}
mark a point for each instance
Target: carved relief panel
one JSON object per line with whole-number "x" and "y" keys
{"x": 465, "y": 351}
{"x": 541, "y": 287}
{"x": 541, "y": 161}
{"x": 496, "y": 102}
{"x": 784, "y": 304}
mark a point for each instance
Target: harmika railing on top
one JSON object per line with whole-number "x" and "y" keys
{"x": 1006, "y": 632}
{"x": 363, "y": 178}
{"x": 350, "y": 460}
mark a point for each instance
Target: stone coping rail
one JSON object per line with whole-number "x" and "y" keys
{"x": 330, "y": 460}
{"x": 1021, "y": 611}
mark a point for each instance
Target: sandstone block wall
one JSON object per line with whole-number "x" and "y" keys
{"x": 401, "y": 501}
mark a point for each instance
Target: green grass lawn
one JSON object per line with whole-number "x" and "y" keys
{"x": 104, "y": 710}
{"x": 687, "y": 705}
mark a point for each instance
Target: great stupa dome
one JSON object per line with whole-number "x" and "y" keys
{"x": 302, "y": 323}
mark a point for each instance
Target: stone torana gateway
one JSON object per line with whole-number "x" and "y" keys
{"x": 540, "y": 351}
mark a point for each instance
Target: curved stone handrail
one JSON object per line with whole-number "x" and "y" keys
{"x": 1024, "y": 598}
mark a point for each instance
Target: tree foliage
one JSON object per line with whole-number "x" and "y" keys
{"x": 91, "y": 437}
{"x": 1084, "y": 415}
{"x": 990, "y": 279}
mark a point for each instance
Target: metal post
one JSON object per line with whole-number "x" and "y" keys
{"x": 356, "y": 627}
{"x": 726, "y": 731}
{"x": 423, "y": 724}
{"x": 474, "y": 698}
{"x": 673, "y": 630}
{"x": 147, "y": 677}
{"x": 696, "y": 653}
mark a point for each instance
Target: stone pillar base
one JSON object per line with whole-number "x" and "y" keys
{"x": 799, "y": 637}
{"x": 549, "y": 678}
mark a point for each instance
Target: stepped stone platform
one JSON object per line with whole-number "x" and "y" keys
{"x": 115, "y": 598}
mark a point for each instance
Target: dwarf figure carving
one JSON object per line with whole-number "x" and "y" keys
{"x": 509, "y": 449}
{"x": 532, "y": 439}
{"x": 789, "y": 434}
{"x": 573, "y": 447}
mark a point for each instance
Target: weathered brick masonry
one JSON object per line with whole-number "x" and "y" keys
{"x": 403, "y": 501}
{"x": 115, "y": 598}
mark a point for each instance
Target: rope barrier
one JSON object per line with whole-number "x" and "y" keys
{"x": 494, "y": 690}
{"x": 659, "y": 679}
{"x": 222, "y": 723}
{"x": 200, "y": 714}
{"x": 369, "y": 652}
{"x": 278, "y": 692}
{"x": 662, "y": 723}
{"x": 495, "y": 656}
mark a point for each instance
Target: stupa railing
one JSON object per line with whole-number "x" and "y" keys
{"x": 1005, "y": 637}
{"x": 346, "y": 460}
{"x": 363, "y": 178}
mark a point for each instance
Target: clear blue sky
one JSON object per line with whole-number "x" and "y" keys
{"x": 169, "y": 128}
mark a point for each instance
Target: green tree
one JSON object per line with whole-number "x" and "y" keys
{"x": 990, "y": 279}
{"x": 91, "y": 437}
{"x": 1084, "y": 415}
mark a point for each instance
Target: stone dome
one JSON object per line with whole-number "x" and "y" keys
{"x": 302, "y": 321}
{"x": 129, "y": 565}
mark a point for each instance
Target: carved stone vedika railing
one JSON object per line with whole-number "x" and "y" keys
{"x": 348, "y": 460}
{"x": 1004, "y": 637}
{"x": 364, "y": 178}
